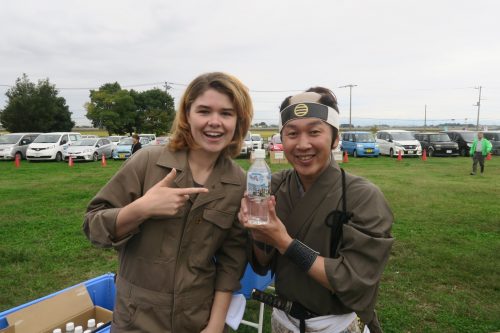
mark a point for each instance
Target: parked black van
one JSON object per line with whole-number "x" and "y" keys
{"x": 464, "y": 140}
{"x": 437, "y": 144}
{"x": 494, "y": 138}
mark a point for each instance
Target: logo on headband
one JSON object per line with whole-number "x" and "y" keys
{"x": 301, "y": 110}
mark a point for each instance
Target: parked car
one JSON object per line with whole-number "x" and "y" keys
{"x": 391, "y": 142}
{"x": 275, "y": 143}
{"x": 51, "y": 146}
{"x": 437, "y": 144}
{"x": 15, "y": 144}
{"x": 124, "y": 148}
{"x": 246, "y": 147}
{"x": 464, "y": 140}
{"x": 90, "y": 150}
{"x": 360, "y": 144}
{"x": 151, "y": 138}
{"x": 162, "y": 140}
{"x": 494, "y": 138}
{"x": 257, "y": 142}
{"x": 89, "y": 136}
{"x": 116, "y": 138}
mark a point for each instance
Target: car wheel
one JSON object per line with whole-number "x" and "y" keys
{"x": 354, "y": 153}
{"x": 58, "y": 157}
{"x": 391, "y": 152}
{"x": 95, "y": 157}
{"x": 430, "y": 152}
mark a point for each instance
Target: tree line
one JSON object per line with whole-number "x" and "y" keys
{"x": 38, "y": 107}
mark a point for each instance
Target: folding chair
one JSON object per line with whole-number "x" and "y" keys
{"x": 250, "y": 281}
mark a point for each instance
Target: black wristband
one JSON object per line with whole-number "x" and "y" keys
{"x": 301, "y": 255}
{"x": 263, "y": 246}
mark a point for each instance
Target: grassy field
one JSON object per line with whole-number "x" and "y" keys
{"x": 443, "y": 274}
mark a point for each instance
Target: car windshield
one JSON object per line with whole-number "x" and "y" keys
{"x": 469, "y": 136}
{"x": 492, "y": 136}
{"x": 439, "y": 137}
{"x": 47, "y": 138}
{"x": 256, "y": 138}
{"x": 9, "y": 138}
{"x": 365, "y": 137}
{"x": 115, "y": 138}
{"x": 401, "y": 136}
{"x": 126, "y": 141}
{"x": 86, "y": 142}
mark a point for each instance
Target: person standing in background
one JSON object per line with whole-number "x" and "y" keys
{"x": 136, "y": 145}
{"x": 480, "y": 148}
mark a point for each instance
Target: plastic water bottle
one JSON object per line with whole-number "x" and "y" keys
{"x": 258, "y": 188}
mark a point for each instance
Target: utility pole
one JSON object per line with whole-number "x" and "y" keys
{"x": 425, "y": 117}
{"x": 350, "y": 86}
{"x": 167, "y": 86}
{"x": 478, "y": 107}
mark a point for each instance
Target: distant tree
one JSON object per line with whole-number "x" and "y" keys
{"x": 155, "y": 111}
{"x": 374, "y": 129}
{"x": 35, "y": 108}
{"x": 112, "y": 108}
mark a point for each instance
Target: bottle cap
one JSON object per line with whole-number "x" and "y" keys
{"x": 70, "y": 326}
{"x": 259, "y": 153}
{"x": 87, "y": 331}
{"x": 91, "y": 323}
{"x": 78, "y": 329}
{"x": 57, "y": 330}
{"x": 100, "y": 324}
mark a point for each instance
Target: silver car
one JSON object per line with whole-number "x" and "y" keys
{"x": 15, "y": 144}
{"x": 90, "y": 150}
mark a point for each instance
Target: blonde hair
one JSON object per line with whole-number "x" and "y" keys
{"x": 225, "y": 84}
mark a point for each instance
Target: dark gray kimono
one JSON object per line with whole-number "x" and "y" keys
{"x": 364, "y": 249}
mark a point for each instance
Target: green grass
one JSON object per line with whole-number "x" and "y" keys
{"x": 443, "y": 274}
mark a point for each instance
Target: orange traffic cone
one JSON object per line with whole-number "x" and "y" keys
{"x": 346, "y": 157}
{"x": 103, "y": 160}
{"x": 70, "y": 161}
{"x": 424, "y": 155}
{"x": 488, "y": 157}
{"x": 400, "y": 157}
{"x": 17, "y": 161}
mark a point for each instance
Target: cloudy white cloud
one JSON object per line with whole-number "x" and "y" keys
{"x": 402, "y": 55}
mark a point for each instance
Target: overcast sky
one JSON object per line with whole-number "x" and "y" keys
{"x": 402, "y": 55}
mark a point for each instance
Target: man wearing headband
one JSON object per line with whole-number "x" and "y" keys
{"x": 328, "y": 238}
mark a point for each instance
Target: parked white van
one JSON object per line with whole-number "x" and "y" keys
{"x": 391, "y": 142}
{"x": 51, "y": 146}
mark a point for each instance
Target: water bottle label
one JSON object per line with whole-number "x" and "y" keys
{"x": 258, "y": 184}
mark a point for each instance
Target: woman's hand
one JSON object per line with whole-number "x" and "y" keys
{"x": 164, "y": 200}
{"x": 160, "y": 200}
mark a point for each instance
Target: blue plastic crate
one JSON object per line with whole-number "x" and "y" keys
{"x": 101, "y": 290}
